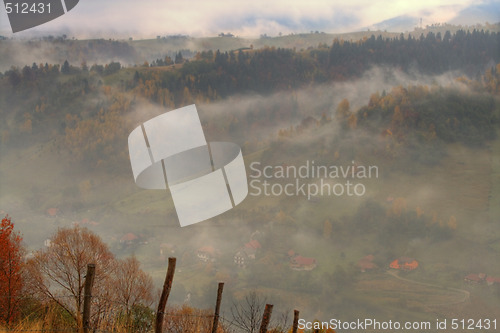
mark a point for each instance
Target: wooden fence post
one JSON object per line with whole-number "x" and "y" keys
{"x": 295, "y": 326}
{"x": 266, "y": 318}
{"x": 167, "y": 285}
{"x": 87, "y": 296}
{"x": 217, "y": 307}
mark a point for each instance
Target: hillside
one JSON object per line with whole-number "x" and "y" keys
{"x": 57, "y": 49}
{"x": 422, "y": 111}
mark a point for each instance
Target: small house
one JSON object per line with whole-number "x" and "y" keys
{"x": 490, "y": 281}
{"x": 300, "y": 263}
{"x": 241, "y": 258}
{"x": 52, "y": 212}
{"x": 475, "y": 278}
{"x": 246, "y": 253}
{"x": 206, "y": 254}
{"x": 366, "y": 263}
{"x": 129, "y": 239}
{"x": 252, "y": 247}
{"x": 404, "y": 263}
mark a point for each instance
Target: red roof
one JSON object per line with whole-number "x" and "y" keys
{"x": 366, "y": 263}
{"x": 303, "y": 261}
{"x": 473, "y": 277}
{"x": 52, "y": 211}
{"x": 253, "y": 244}
{"x": 129, "y": 237}
{"x": 207, "y": 249}
{"x": 404, "y": 263}
{"x": 491, "y": 279}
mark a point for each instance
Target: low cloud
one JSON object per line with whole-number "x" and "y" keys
{"x": 92, "y": 18}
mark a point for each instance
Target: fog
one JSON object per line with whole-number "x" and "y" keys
{"x": 15, "y": 53}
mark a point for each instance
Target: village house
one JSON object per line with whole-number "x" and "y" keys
{"x": 300, "y": 263}
{"x": 86, "y": 221}
{"x": 246, "y": 253}
{"x": 129, "y": 239}
{"x": 490, "y": 281}
{"x": 475, "y": 278}
{"x": 52, "y": 212}
{"x": 206, "y": 254}
{"x": 366, "y": 263}
{"x": 243, "y": 256}
{"x": 482, "y": 278}
{"x": 404, "y": 263}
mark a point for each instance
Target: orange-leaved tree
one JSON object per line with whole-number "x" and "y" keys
{"x": 11, "y": 282}
{"x": 57, "y": 273}
{"x": 132, "y": 286}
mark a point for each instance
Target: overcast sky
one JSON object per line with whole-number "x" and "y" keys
{"x": 148, "y": 18}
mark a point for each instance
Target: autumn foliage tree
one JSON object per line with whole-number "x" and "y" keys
{"x": 57, "y": 272}
{"x": 132, "y": 286}
{"x": 11, "y": 281}
{"x": 57, "y": 275}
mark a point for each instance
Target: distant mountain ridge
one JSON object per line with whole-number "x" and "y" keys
{"x": 469, "y": 16}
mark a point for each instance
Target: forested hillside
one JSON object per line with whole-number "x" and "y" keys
{"x": 40, "y": 94}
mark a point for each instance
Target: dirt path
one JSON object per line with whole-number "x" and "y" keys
{"x": 466, "y": 294}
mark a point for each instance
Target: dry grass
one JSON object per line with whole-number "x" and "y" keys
{"x": 47, "y": 319}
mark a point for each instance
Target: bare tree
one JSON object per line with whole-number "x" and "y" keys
{"x": 132, "y": 286}
{"x": 281, "y": 322}
{"x": 57, "y": 272}
{"x": 247, "y": 314}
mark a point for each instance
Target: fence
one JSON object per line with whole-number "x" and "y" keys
{"x": 203, "y": 322}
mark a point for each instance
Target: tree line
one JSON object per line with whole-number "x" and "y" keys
{"x": 270, "y": 69}
{"x": 267, "y": 70}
